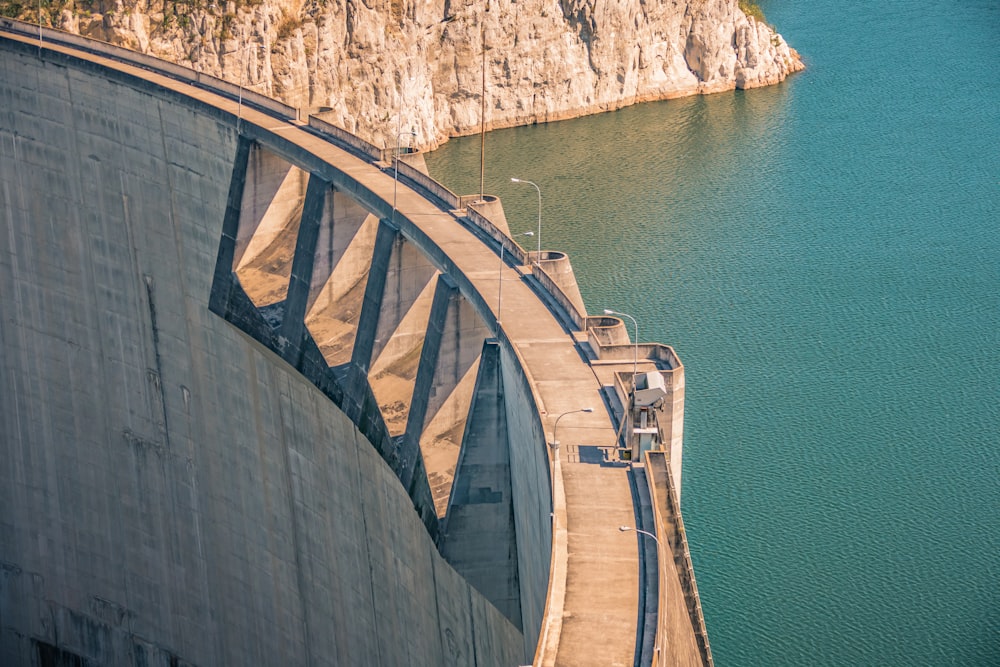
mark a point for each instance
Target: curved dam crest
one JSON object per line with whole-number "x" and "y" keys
{"x": 259, "y": 406}
{"x": 168, "y": 461}
{"x": 377, "y": 67}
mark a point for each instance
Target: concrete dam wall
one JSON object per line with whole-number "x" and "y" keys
{"x": 172, "y": 490}
{"x": 272, "y": 395}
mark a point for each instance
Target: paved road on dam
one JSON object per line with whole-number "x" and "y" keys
{"x": 593, "y": 599}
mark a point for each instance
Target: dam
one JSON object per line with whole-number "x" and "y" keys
{"x": 272, "y": 395}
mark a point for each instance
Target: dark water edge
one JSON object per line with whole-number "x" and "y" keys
{"x": 824, "y": 255}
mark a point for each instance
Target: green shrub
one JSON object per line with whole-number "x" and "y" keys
{"x": 752, "y": 9}
{"x": 11, "y": 10}
{"x": 287, "y": 27}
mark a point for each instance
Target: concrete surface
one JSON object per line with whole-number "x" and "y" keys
{"x": 182, "y": 489}
{"x": 170, "y": 491}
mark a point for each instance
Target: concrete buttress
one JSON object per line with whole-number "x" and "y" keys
{"x": 293, "y": 326}
{"x": 479, "y": 537}
{"x": 239, "y": 376}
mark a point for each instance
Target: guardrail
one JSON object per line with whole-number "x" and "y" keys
{"x": 152, "y": 64}
{"x": 342, "y": 138}
{"x": 609, "y": 346}
{"x": 345, "y": 139}
{"x": 658, "y": 468}
{"x": 422, "y": 181}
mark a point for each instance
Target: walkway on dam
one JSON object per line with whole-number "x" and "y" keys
{"x": 593, "y": 601}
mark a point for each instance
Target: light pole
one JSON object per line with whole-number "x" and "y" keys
{"x": 482, "y": 107}
{"x": 538, "y": 257}
{"x": 625, "y": 529}
{"x": 500, "y": 281}
{"x": 555, "y": 428}
{"x": 555, "y": 454}
{"x": 243, "y": 59}
{"x": 395, "y": 173}
{"x": 635, "y": 343}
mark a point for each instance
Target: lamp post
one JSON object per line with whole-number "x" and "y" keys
{"x": 243, "y": 59}
{"x": 635, "y": 343}
{"x": 500, "y": 280}
{"x": 538, "y": 257}
{"x": 555, "y": 454}
{"x": 395, "y": 172}
{"x": 625, "y": 529}
{"x": 482, "y": 107}
{"x": 555, "y": 427}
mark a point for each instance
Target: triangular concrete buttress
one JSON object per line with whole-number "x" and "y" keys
{"x": 479, "y": 538}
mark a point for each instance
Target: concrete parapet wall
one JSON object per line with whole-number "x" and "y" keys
{"x": 173, "y": 492}
{"x": 345, "y": 139}
{"x": 419, "y": 179}
{"x": 609, "y": 339}
{"x": 164, "y": 67}
{"x": 498, "y": 233}
{"x": 411, "y": 166}
{"x": 558, "y": 268}
{"x": 664, "y": 355}
{"x": 679, "y": 604}
{"x": 604, "y": 331}
{"x": 568, "y": 304}
{"x": 487, "y": 214}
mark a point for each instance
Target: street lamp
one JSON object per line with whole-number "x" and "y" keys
{"x": 243, "y": 59}
{"x": 500, "y": 281}
{"x": 395, "y": 173}
{"x": 626, "y": 529}
{"x": 635, "y": 343}
{"x": 555, "y": 428}
{"x": 538, "y": 257}
{"x": 482, "y": 107}
{"x": 555, "y": 454}
{"x": 449, "y": 18}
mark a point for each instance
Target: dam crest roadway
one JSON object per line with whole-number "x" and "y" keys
{"x": 262, "y": 404}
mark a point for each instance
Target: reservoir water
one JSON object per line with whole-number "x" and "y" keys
{"x": 824, "y": 255}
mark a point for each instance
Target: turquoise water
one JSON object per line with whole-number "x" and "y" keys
{"x": 825, "y": 257}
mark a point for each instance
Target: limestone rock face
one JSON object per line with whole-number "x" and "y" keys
{"x": 384, "y": 68}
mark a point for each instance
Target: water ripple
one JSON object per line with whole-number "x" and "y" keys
{"x": 825, "y": 257}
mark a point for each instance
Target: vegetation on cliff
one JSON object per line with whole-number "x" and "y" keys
{"x": 753, "y": 10}
{"x": 375, "y": 66}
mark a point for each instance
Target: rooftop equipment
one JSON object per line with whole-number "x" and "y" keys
{"x": 649, "y": 388}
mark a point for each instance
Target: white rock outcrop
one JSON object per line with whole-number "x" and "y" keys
{"x": 376, "y": 67}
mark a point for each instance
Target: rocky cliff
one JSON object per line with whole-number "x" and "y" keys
{"x": 381, "y": 67}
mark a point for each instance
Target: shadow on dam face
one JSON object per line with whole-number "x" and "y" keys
{"x": 254, "y": 412}
{"x": 229, "y": 383}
